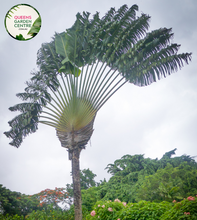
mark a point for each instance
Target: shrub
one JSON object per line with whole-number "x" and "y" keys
{"x": 11, "y": 217}
{"x": 107, "y": 210}
{"x": 118, "y": 210}
{"x": 186, "y": 209}
{"x": 144, "y": 210}
{"x": 50, "y": 213}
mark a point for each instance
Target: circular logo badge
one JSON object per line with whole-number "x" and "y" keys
{"x": 23, "y": 22}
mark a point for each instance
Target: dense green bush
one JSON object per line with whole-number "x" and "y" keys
{"x": 107, "y": 210}
{"x": 11, "y": 217}
{"x": 50, "y": 213}
{"x": 119, "y": 210}
{"x": 144, "y": 210}
{"x": 89, "y": 197}
{"x": 186, "y": 209}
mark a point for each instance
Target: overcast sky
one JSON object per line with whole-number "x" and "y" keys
{"x": 136, "y": 120}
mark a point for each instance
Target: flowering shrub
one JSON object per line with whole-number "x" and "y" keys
{"x": 93, "y": 213}
{"x": 186, "y": 209}
{"x": 190, "y": 198}
{"x": 118, "y": 210}
{"x": 107, "y": 210}
{"x": 186, "y": 213}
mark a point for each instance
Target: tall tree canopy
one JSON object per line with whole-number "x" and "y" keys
{"x": 81, "y": 68}
{"x": 136, "y": 178}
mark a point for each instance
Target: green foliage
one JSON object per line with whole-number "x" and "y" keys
{"x": 13, "y": 203}
{"x": 165, "y": 184}
{"x": 188, "y": 174}
{"x": 144, "y": 210}
{"x": 11, "y": 217}
{"x": 87, "y": 179}
{"x": 63, "y": 47}
{"x": 186, "y": 209}
{"x": 114, "y": 210}
{"x": 89, "y": 197}
{"x": 169, "y": 183}
{"x": 176, "y": 161}
{"x": 51, "y": 213}
{"x": 119, "y": 42}
{"x": 136, "y": 178}
{"x": 109, "y": 210}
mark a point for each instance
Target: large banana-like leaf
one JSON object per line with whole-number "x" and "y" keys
{"x": 61, "y": 45}
{"x": 70, "y": 69}
{"x": 62, "y": 48}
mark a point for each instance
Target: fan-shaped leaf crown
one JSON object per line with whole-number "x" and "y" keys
{"x": 81, "y": 68}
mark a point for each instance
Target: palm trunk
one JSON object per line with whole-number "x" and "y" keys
{"x": 76, "y": 183}
{"x": 75, "y": 141}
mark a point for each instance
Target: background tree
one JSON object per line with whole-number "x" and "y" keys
{"x": 55, "y": 198}
{"x": 165, "y": 185}
{"x": 80, "y": 69}
{"x": 136, "y": 178}
{"x": 87, "y": 179}
{"x": 13, "y": 203}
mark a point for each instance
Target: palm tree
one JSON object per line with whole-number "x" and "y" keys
{"x": 81, "y": 68}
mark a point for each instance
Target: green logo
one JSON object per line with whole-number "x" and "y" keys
{"x": 22, "y": 22}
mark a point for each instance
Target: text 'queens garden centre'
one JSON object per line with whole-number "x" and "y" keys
{"x": 22, "y": 21}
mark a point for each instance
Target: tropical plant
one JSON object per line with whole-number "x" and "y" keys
{"x": 80, "y": 69}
